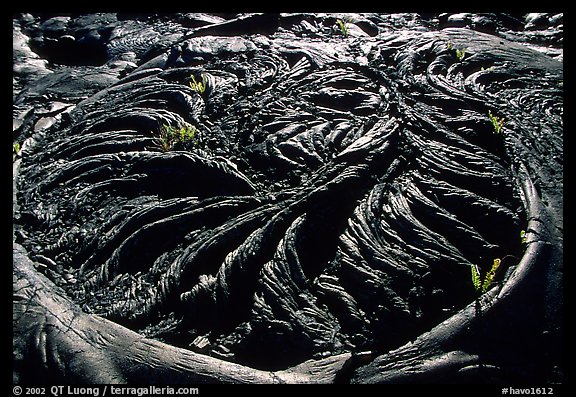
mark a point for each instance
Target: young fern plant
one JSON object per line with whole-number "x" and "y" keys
{"x": 198, "y": 86}
{"x": 476, "y": 279}
{"x": 165, "y": 141}
{"x": 483, "y": 285}
{"x": 344, "y": 24}
{"x": 15, "y": 151}
{"x": 460, "y": 52}
{"x": 523, "y": 237}
{"x": 497, "y": 123}
{"x": 170, "y": 137}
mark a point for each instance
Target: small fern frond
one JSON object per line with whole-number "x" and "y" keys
{"x": 490, "y": 275}
{"x": 476, "y": 281}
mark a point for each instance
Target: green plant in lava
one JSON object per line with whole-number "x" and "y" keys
{"x": 497, "y": 123}
{"x": 523, "y": 236}
{"x": 170, "y": 137}
{"x": 483, "y": 285}
{"x": 198, "y": 86}
{"x": 344, "y": 25}
{"x": 15, "y": 150}
{"x": 460, "y": 52}
{"x": 476, "y": 280}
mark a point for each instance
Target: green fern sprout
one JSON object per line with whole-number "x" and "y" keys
{"x": 186, "y": 134}
{"x": 523, "y": 236}
{"x": 460, "y": 53}
{"x": 343, "y": 24}
{"x": 169, "y": 137}
{"x": 198, "y": 86}
{"x": 496, "y": 122}
{"x": 15, "y": 151}
{"x": 490, "y": 275}
{"x": 165, "y": 138}
{"x": 476, "y": 280}
{"x": 481, "y": 286}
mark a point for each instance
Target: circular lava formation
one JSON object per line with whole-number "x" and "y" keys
{"x": 272, "y": 188}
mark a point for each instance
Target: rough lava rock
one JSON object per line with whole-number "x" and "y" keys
{"x": 287, "y": 198}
